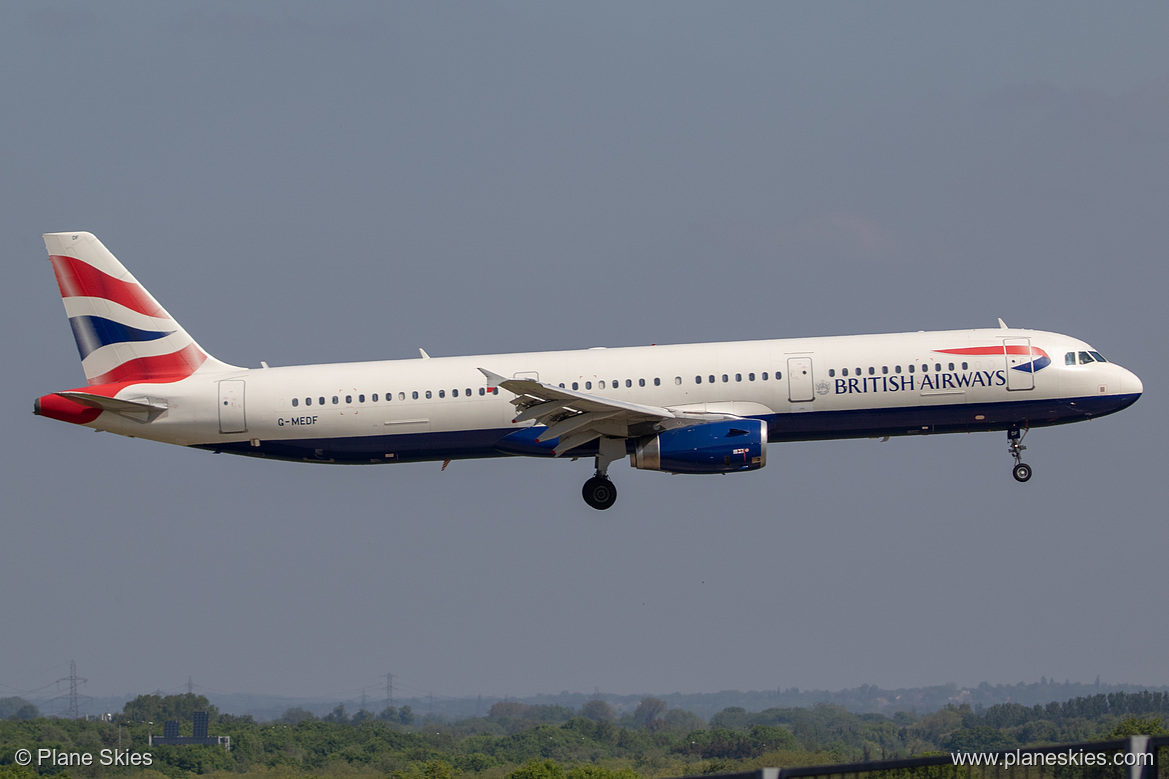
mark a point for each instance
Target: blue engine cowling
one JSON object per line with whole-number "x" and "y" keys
{"x": 712, "y": 447}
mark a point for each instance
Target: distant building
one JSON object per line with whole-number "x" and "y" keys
{"x": 170, "y": 734}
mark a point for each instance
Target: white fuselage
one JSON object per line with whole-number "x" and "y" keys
{"x": 802, "y": 388}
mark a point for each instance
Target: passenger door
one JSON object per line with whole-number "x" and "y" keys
{"x": 1020, "y": 362}
{"x": 231, "y": 406}
{"x": 800, "y": 387}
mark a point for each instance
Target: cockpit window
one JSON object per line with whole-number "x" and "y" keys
{"x": 1085, "y": 357}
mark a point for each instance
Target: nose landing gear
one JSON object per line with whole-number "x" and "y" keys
{"x": 1021, "y": 471}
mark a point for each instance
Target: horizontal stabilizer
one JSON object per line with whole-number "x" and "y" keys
{"x": 140, "y": 408}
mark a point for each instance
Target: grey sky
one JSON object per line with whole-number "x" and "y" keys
{"x": 303, "y": 182}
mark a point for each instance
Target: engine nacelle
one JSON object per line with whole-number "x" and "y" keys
{"x": 711, "y": 447}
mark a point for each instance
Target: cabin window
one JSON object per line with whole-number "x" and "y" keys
{"x": 348, "y": 400}
{"x": 617, "y": 384}
{"x": 402, "y": 396}
{"x": 872, "y": 370}
{"x": 658, "y": 382}
{"x": 911, "y": 369}
{"x": 414, "y": 394}
{"x": 361, "y": 398}
{"x": 951, "y": 366}
{"x": 677, "y": 380}
{"x": 575, "y": 386}
{"x": 697, "y": 379}
{"x": 336, "y": 400}
{"x": 588, "y": 385}
{"x": 884, "y": 369}
{"x": 938, "y": 367}
{"x": 321, "y": 400}
{"x": 844, "y": 372}
{"x": 750, "y": 377}
{"x": 738, "y": 377}
{"x": 601, "y": 384}
{"x": 428, "y": 395}
{"x": 373, "y": 397}
{"x": 725, "y": 378}
{"x": 441, "y": 394}
{"x": 925, "y": 367}
{"x": 454, "y": 393}
{"x": 965, "y": 366}
{"x": 484, "y": 392}
{"x": 897, "y": 369}
{"x": 308, "y": 401}
{"x": 763, "y": 375}
{"x": 641, "y": 382}
{"x": 779, "y": 375}
{"x": 710, "y": 379}
{"x": 295, "y": 402}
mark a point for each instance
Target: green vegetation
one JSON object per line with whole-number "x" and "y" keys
{"x": 521, "y": 741}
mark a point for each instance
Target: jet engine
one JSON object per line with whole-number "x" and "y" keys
{"x": 711, "y": 447}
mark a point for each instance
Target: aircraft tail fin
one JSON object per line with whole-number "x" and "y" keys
{"x": 122, "y": 333}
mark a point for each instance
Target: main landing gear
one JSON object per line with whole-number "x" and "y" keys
{"x": 599, "y": 492}
{"x": 1021, "y": 471}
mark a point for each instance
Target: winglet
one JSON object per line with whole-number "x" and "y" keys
{"x": 422, "y": 351}
{"x": 1002, "y": 324}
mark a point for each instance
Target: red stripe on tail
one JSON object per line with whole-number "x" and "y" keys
{"x": 79, "y": 279}
{"x": 162, "y": 368}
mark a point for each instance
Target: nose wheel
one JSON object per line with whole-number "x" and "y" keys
{"x": 1021, "y": 471}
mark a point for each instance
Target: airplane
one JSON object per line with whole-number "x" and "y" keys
{"x": 701, "y": 408}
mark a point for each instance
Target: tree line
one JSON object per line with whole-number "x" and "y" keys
{"x": 537, "y": 741}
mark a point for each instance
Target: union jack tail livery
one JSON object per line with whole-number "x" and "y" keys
{"x": 123, "y": 335}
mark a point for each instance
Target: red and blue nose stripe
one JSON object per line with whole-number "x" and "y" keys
{"x": 1039, "y": 361}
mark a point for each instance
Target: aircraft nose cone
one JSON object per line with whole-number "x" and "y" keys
{"x": 1130, "y": 383}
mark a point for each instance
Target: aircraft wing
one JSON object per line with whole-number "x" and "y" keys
{"x": 577, "y": 418}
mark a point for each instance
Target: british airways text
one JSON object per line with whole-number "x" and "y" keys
{"x": 926, "y": 381}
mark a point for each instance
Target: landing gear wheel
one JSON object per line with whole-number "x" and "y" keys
{"x": 1021, "y": 471}
{"x": 599, "y": 492}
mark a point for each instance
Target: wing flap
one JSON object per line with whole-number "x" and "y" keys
{"x": 573, "y": 423}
